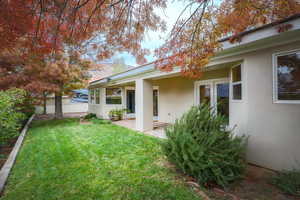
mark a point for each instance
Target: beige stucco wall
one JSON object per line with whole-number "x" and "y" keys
{"x": 176, "y": 94}
{"x": 102, "y": 109}
{"x": 273, "y": 128}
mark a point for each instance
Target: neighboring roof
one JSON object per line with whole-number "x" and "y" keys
{"x": 241, "y": 34}
{"x": 81, "y": 91}
{"x": 101, "y": 71}
{"x": 126, "y": 71}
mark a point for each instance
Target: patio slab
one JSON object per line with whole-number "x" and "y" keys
{"x": 158, "y": 130}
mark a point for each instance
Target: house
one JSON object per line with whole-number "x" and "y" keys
{"x": 259, "y": 77}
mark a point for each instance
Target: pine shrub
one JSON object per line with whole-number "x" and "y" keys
{"x": 199, "y": 145}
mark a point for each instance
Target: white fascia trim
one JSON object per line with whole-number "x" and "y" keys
{"x": 262, "y": 34}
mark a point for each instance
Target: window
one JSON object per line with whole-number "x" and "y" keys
{"x": 113, "y": 96}
{"x": 97, "y": 94}
{"x": 236, "y": 82}
{"x": 92, "y": 96}
{"x": 287, "y": 77}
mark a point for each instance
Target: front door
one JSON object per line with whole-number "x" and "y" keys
{"x": 215, "y": 93}
{"x": 130, "y": 103}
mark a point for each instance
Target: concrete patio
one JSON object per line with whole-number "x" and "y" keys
{"x": 158, "y": 130}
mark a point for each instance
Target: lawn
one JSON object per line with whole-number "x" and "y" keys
{"x": 62, "y": 159}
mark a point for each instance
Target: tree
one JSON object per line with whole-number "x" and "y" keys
{"x": 72, "y": 72}
{"x": 35, "y": 33}
{"x": 193, "y": 41}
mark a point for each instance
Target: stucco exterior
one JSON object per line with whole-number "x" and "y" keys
{"x": 273, "y": 128}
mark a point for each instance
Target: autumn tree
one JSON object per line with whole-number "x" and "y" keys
{"x": 193, "y": 41}
{"x": 36, "y": 32}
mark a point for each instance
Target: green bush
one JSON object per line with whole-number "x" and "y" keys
{"x": 11, "y": 115}
{"x": 199, "y": 146}
{"x": 90, "y": 116}
{"x": 288, "y": 182}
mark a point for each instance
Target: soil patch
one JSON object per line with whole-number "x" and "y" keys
{"x": 255, "y": 186}
{"x": 5, "y": 150}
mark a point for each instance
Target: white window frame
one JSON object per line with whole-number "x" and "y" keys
{"x": 122, "y": 100}
{"x": 275, "y": 77}
{"x": 213, "y": 94}
{"x": 236, "y": 83}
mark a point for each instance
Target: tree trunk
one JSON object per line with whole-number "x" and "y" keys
{"x": 44, "y": 103}
{"x": 58, "y": 106}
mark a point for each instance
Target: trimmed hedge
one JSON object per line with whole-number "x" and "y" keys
{"x": 199, "y": 145}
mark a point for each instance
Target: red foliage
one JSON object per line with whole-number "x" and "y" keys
{"x": 194, "y": 41}
{"x": 34, "y": 33}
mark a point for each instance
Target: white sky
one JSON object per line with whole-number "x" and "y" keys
{"x": 155, "y": 39}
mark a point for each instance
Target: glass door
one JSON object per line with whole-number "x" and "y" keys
{"x": 215, "y": 93}
{"x": 130, "y": 103}
{"x": 222, "y": 99}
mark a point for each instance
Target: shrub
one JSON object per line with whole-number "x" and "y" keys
{"x": 11, "y": 116}
{"x": 116, "y": 114}
{"x": 90, "y": 116}
{"x": 288, "y": 182}
{"x": 199, "y": 146}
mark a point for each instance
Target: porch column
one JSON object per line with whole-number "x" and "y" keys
{"x": 143, "y": 105}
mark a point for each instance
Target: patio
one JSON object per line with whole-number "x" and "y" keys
{"x": 158, "y": 130}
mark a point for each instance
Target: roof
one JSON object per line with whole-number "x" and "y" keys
{"x": 130, "y": 69}
{"x": 241, "y": 34}
{"x": 101, "y": 71}
{"x": 150, "y": 66}
{"x": 81, "y": 91}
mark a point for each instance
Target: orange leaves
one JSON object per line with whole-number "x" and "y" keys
{"x": 194, "y": 41}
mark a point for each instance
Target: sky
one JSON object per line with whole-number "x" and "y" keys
{"x": 154, "y": 39}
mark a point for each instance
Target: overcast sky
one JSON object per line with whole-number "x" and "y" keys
{"x": 155, "y": 39}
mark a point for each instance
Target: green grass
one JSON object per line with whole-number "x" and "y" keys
{"x": 63, "y": 160}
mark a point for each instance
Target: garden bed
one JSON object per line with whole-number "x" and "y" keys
{"x": 5, "y": 151}
{"x": 10, "y": 152}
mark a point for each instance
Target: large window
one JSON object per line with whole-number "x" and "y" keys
{"x": 113, "y": 96}
{"x": 97, "y": 96}
{"x": 236, "y": 82}
{"x": 287, "y": 77}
